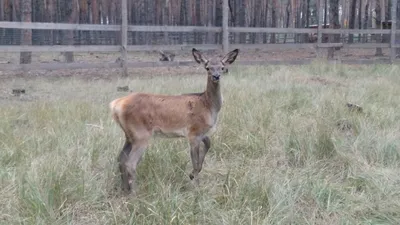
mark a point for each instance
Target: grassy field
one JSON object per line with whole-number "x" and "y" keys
{"x": 287, "y": 151}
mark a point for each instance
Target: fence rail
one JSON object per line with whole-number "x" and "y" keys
{"x": 143, "y": 28}
{"x": 124, "y": 28}
{"x": 149, "y": 48}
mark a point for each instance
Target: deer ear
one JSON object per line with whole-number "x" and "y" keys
{"x": 230, "y": 57}
{"x": 198, "y": 56}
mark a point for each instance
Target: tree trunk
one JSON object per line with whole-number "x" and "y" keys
{"x": 288, "y": 6}
{"x": 51, "y": 18}
{"x": 165, "y": 21}
{"x": 360, "y": 13}
{"x": 218, "y": 21}
{"x": 2, "y": 9}
{"x": 265, "y": 21}
{"x": 135, "y": 21}
{"x": 297, "y": 20}
{"x": 197, "y": 37}
{"x": 183, "y": 19}
{"x": 333, "y": 23}
{"x": 184, "y": 14}
{"x": 255, "y": 22}
{"x": 352, "y": 21}
{"x": 26, "y": 57}
{"x": 397, "y": 27}
{"x": 388, "y": 16}
{"x": 345, "y": 11}
{"x": 83, "y": 37}
{"x": 325, "y": 13}
{"x": 69, "y": 56}
{"x": 273, "y": 20}
{"x": 366, "y": 19}
{"x": 189, "y": 18}
{"x": 95, "y": 20}
{"x": 324, "y": 36}
{"x": 210, "y": 35}
{"x": 15, "y": 12}
{"x": 112, "y": 18}
{"x": 214, "y": 21}
{"x": 242, "y": 20}
{"x": 16, "y": 8}
{"x": 306, "y": 12}
{"x": 378, "y": 21}
{"x": 236, "y": 36}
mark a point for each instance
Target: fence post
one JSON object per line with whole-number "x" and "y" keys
{"x": 225, "y": 31}
{"x": 393, "y": 33}
{"x": 124, "y": 36}
{"x": 320, "y": 21}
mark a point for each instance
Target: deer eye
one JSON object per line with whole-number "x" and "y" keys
{"x": 223, "y": 68}
{"x": 207, "y": 69}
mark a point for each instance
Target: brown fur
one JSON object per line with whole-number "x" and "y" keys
{"x": 193, "y": 116}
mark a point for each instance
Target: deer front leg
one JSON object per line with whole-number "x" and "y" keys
{"x": 203, "y": 152}
{"x": 194, "y": 155}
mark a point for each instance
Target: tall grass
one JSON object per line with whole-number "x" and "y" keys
{"x": 287, "y": 151}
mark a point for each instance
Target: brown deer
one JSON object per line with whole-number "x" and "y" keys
{"x": 193, "y": 116}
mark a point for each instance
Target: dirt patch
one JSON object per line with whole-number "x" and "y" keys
{"x": 244, "y": 55}
{"x": 324, "y": 81}
{"x": 317, "y": 80}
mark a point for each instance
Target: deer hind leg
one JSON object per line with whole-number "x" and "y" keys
{"x": 135, "y": 156}
{"x": 203, "y": 152}
{"x": 122, "y": 159}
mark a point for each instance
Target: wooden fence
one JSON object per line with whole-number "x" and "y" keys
{"x": 124, "y": 28}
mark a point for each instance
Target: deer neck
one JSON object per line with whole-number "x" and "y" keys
{"x": 213, "y": 95}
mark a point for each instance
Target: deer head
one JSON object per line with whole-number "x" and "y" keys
{"x": 215, "y": 67}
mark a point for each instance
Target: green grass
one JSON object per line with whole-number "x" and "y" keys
{"x": 278, "y": 156}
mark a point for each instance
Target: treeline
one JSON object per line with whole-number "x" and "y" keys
{"x": 244, "y": 13}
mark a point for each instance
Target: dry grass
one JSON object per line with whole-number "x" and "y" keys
{"x": 278, "y": 157}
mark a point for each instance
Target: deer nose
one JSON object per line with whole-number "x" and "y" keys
{"x": 216, "y": 76}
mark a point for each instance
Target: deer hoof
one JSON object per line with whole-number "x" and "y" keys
{"x": 191, "y": 176}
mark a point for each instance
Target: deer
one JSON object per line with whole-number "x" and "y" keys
{"x": 193, "y": 116}
{"x": 166, "y": 56}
